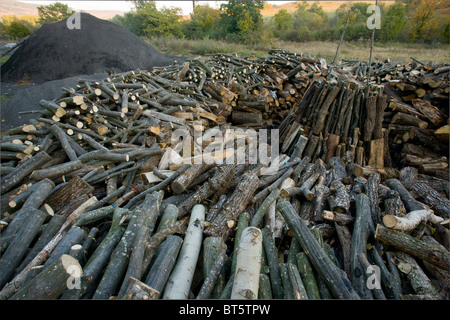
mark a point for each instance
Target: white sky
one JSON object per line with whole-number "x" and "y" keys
{"x": 125, "y": 6}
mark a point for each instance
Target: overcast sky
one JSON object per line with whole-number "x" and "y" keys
{"x": 125, "y": 6}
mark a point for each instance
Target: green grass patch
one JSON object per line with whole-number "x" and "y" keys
{"x": 4, "y": 59}
{"x": 359, "y": 50}
{"x": 203, "y": 47}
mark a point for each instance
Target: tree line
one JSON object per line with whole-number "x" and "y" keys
{"x": 426, "y": 21}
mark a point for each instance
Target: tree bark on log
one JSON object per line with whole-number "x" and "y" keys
{"x": 234, "y": 206}
{"x": 138, "y": 290}
{"x": 372, "y": 193}
{"x": 69, "y": 192}
{"x": 207, "y": 189}
{"x": 248, "y": 265}
{"x": 335, "y": 278}
{"x": 411, "y": 204}
{"x": 419, "y": 281}
{"x": 164, "y": 263}
{"x": 413, "y": 246}
{"x": 308, "y": 277}
{"x": 272, "y": 261}
{"x": 411, "y": 220}
{"x": 50, "y": 283}
{"x": 180, "y": 184}
{"x": 341, "y": 199}
{"x": 361, "y": 232}
{"x": 18, "y": 246}
{"x": 179, "y": 283}
{"x": 15, "y": 177}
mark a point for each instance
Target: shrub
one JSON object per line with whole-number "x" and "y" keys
{"x": 17, "y": 29}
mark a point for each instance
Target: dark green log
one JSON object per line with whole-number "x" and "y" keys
{"x": 298, "y": 287}
{"x": 164, "y": 263}
{"x": 145, "y": 218}
{"x": 64, "y": 140}
{"x": 335, "y": 278}
{"x": 51, "y": 228}
{"x": 308, "y": 277}
{"x": 259, "y": 214}
{"x": 74, "y": 236}
{"x": 274, "y": 266}
{"x": 212, "y": 247}
{"x": 361, "y": 232}
{"x": 57, "y": 170}
{"x": 264, "y": 290}
{"x": 213, "y": 278}
{"x": 34, "y": 201}
{"x": 421, "y": 249}
{"x": 287, "y": 285}
{"x": 15, "y": 177}
{"x": 99, "y": 259}
{"x": 50, "y": 283}
{"x": 92, "y": 216}
{"x": 19, "y": 245}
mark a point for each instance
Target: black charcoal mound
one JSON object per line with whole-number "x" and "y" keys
{"x": 55, "y": 52}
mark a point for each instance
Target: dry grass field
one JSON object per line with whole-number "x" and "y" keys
{"x": 349, "y": 50}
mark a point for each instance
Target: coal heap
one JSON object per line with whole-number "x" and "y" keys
{"x": 55, "y": 52}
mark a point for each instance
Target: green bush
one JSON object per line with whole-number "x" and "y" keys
{"x": 17, "y": 29}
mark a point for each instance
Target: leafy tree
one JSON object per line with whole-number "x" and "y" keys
{"x": 53, "y": 12}
{"x": 17, "y": 29}
{"x": 203, "y": 22}
{"x": 283, "y": 20}
{"x": 423, "y": 23}
{"x": 148, "y": 21}
{"x": 393, "y": 22}
{"x": 160, "y": 23}
{"x": 239, "y": 19}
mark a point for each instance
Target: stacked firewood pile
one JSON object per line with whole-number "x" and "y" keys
{"x": 103, "y": 196}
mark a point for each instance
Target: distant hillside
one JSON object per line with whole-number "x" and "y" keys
{"x": 328, "y": 6}
{"x": 18, "y": 8}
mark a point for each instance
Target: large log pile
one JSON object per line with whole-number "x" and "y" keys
{"x": 126, "y": 189}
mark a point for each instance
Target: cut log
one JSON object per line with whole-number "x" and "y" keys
{"x": 17, "y": 248}
{"x": 164, "y": 263}
{"x": 271, "y": 255}
{"x": 179, "y": 283}
{"x": 419, "y": 281}
{"x": 138, "y": 290}
{"x": 429, "y": 111}
{"x": 234, "y": 206}
{"x": 15, "y": 177}
{"x": 413, "y": 246}
{"x": 336, "y": 279}
{"x": 248, "y": 265}
{"x": 411, "y": 220}
{"x": 64, "y": 273}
